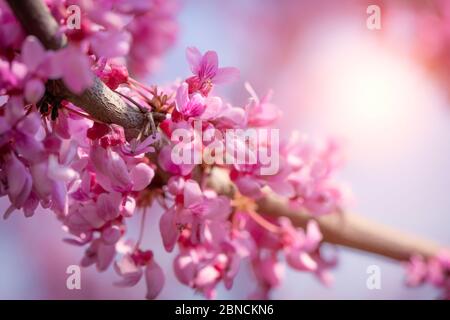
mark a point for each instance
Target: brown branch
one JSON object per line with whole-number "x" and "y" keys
{"x": 355, "y": 231}
{"x": 344, "y": 229}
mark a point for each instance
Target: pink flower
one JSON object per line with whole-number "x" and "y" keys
{"x": 224, "y": 116}
{"x": 111, "y": 44}
{"x": 113, "y": 173}
{"x": 43, "y": 64}
{"x": 189, "y": 107}
{"x": 210, "y": 109}
{"x": 153, "y": 33}
{"x": 141, "y": 175}
{"x": 129, "y": 271}
{"x": 185, "y": 266}
{"x": 250, "y": 178}
{"x": 202, "y": 268}
{"x": 34, "y": 90}
{"x": 77, "y": 75}
{"x": 311, "y": 166}
{"x": 19, "y": 183}
{"x": 11, "y": 75}
{"x": 39, "y": 62}
{"x": 111, "y": 169}
{"x": 435, "y": 271}
{"x": 111, "y": 74}
{"x": 93, "y": 179}
{"x": 206, "y": 71}
{"x": 100, "y": 254}
{"x": 168, "y": 229}
{"x": 260, "y": 112}
{"x": 154, "y": 279}
{"x": 39, "y": 65}
{"x": 193, "y": 208}
{"x": 269, "y": 273}
{"x": 108, "y": 205}
{"x": 298, "y": 245}
{"x": 167, "y": 164}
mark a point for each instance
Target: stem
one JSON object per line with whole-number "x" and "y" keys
{"x": 81, "y": 114}
{"x": 137, "y": 83}
{"x": 263, "y": 222}
{"x": 139, "y": 90}
{"x": 143, "y": 110}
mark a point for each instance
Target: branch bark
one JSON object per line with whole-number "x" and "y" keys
{"x": 99, "y": 101}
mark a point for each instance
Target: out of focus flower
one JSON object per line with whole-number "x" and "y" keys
{"x": 206, "y": 71}
{"x": 43, "y": 65}
{"x": 260, "y": 112}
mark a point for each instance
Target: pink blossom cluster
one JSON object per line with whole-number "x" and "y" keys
{"x": 434, "y": 271}
{"x": 425, "y": 29}
{"x": 76, "y": 168}
{"x": 54, "y": 155}
{"x": 213, "y": 240}
{"x": 215, "y": 234}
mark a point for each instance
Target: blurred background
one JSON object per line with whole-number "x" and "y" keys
{"x": 383, "y": 93}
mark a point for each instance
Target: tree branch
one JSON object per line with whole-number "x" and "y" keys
{"x": 99, "y": 101}
{"x": 355, "y": 231}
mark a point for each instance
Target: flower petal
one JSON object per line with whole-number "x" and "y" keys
{"x": 169, "y": 232}
{"x": 313, "y": 236}
{"x": 141, "y": 176}
{"x": 33, "y": 53}
{"x": 77, "y": 75}
{"x": 194, "y": 58}
{"x": 192, "y": 194}
{"x": 209, "y": 65}
{"x": 127, "y": 269}
{"x": 34, "y": 90}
